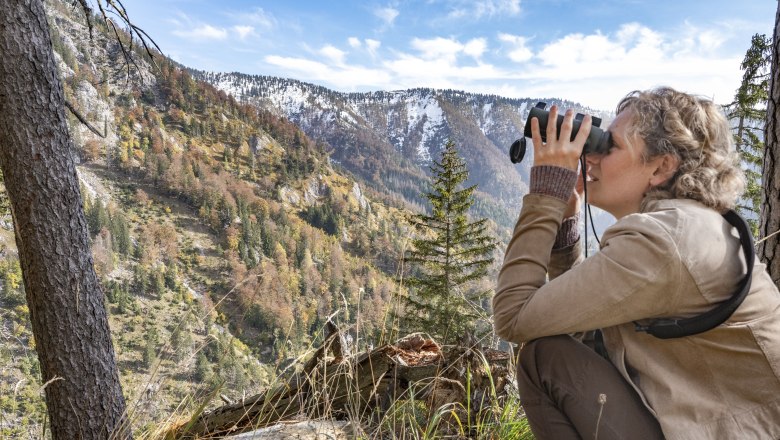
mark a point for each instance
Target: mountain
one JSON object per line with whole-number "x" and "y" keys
{"x": 222, "y": 235}
{"x": 388, "y": 139}
{"x": 230, "y": 222}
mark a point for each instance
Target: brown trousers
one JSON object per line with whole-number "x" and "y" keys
{"x": 568, "y": 391}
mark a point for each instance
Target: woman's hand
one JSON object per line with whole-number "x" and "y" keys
{"x": 559, "y": 151}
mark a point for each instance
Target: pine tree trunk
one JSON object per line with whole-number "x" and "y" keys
{"x": 769, "y": 250}
{"x": 740, "y": 133}
{"x": 69, "y": 320}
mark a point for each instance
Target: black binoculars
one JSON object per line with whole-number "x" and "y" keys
{"x": 598, "y": 139}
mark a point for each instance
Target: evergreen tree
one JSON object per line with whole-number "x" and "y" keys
{"x": 120, "y": 233}
{"x": 149, "y": 353}
{"x": 157, "y": 278}
{"x": 97, "y": 217}
{"x": 748, "y": 116}
{"x": 203, "y": 368}
{"x": 449, "y": 253}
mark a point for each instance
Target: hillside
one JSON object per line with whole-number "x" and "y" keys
{"x": 387, "y": 139}
{"x": 222, "y": 234}
{"x": 232, "y": 218}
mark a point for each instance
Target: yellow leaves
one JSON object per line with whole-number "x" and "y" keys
{"x": 22, "y": 311}
{"x": 232, "y": 238}
{"x": 125, "y": 134}
{"x": 11, "y": 273}
{"x": 14, "y": 277}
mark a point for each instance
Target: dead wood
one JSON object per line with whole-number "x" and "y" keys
{"x": 334, "y": 385}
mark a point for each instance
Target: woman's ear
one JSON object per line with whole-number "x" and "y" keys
{"x": 666, "y": 167}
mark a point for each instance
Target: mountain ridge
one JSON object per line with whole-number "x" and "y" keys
{"x": 405, "y": 130}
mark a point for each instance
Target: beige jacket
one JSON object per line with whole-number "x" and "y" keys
{"x": 675, "y": 259}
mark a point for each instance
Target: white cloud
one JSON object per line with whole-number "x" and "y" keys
{"x": 438, "y": 73}
{"x": 203, "y": 32}
{"x": 342, "y": 77}
{"x": 495, "y": 7}
{"x": 243, "y": 31}
{"x": 475, "y": 48}
{"x": 372, "y": 46}
{"x": 633, "y": 45}
{"x": 595, "y": 69}
{"x": 332, "y": 53}
{"x": 710, "y": 40}
{"x": 436, "y": 64}
{"x": 448, "y": 49}
{"x": 387, "y": 15}
{"x": 598, "y": 69}
{"x": 439, "y": 47}
{"x": 477, "y": 9}
{"x": 259, "y": 17}
{"x": 518, "y": 47}
{"x": 695, "y": 39}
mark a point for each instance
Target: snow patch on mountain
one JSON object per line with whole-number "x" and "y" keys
{"x": 427, "y": 112}
{"x": 486, "y": 122}
{"x": 227, "y": 84}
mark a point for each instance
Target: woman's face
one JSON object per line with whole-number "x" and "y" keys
{"x": 619, "y": 179}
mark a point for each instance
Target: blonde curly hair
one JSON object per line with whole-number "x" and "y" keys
{"x": 697, "y": 133}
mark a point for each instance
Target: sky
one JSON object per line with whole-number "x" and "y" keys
{"x": 590, "y": 52}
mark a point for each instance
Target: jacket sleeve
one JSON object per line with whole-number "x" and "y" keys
{"x": 567, "y": 249}
{"x": 635, "y": 275}
{"x": 564, "y": 259}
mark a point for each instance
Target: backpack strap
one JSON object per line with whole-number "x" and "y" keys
{"x": 666, "y": 328}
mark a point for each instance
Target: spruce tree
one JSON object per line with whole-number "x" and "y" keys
{"x": 748, "y": 117}
{"x": 97, "y": 217}
{"x": 120, "y": 233}
{"x": 449, "y": 253}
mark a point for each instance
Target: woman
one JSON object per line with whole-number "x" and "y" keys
{"x": 670, "y": 172}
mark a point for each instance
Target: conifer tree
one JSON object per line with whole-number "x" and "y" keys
{"x": 120, "y": 233}
{"x": 748, "y": 116}
{"x": 97, "y": 216}
{"x": 449, "y": 253}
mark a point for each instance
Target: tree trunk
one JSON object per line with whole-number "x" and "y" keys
{"x": 69, "y": 320}
{"x": 769, "y": 250}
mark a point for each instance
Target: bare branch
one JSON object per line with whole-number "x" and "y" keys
{"x": 128, "y": 59}
{"x": 83, "y": 120}
{"x": 134, "y": 30}
{"x": 117, "y": 8}
{"x": 88, "y": 15}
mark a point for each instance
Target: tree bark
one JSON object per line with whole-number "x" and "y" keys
{"x": 769, "y": 250}
{"x": 69, "y": 320}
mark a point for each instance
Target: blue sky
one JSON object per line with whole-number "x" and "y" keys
{"x": 593, "y": 52}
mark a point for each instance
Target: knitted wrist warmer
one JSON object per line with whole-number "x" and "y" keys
{"x": 553, "y": 181}
{"x": 568, "y": 233}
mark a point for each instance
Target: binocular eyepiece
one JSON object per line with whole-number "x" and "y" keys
{"x": 598, "y": 139}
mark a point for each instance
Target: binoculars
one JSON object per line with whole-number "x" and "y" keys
{"x": 598, "y": 139}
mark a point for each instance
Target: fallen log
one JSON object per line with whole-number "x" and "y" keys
{"x": 338, "y": 385}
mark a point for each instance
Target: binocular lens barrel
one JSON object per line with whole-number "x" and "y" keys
{"x": 598, "y": 139}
